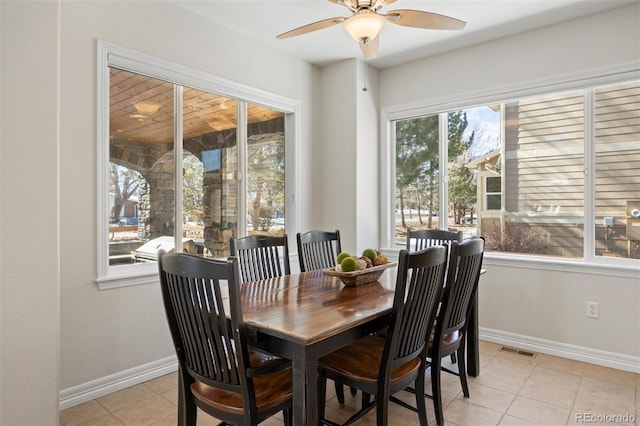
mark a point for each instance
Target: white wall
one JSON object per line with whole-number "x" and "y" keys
{"x": 335, "y": 153}
{"x": 29, "y": 213}
{"x": 590, "y": 43}
{"x": 541, "y": 308}
{"x": 104, "y": 333}
{"x": 345, "y": 161}
{"x": 367, "y": 158}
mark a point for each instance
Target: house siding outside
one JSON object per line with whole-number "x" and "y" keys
{"x": 543, "y": 189}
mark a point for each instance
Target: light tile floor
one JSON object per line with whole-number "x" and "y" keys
{"x": 511, "y": 390}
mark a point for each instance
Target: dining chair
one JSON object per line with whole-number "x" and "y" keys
{"x": 216, "y": 370}
{"x": 422, "y": 238}
{"x": 259, "y": 256}
{"x": 384, "y": 366}
{"x": 318, "y": 249}
{"x": 449, "y": 336}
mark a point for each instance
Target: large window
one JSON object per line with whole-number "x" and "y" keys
{"x": 542, "y": 152}
{"x": 189, "y": 165}
{"x": 526, "y": 173}
{"x": 617, "y": 170}
{"x": 417, "y": 175}
{"x": 460, "y": 136}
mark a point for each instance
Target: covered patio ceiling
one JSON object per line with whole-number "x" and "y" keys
{"x": 142, "y": 110}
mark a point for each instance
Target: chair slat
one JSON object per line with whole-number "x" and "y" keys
{"x": 422, "y": 238}
{"x": 259, "y": 256}
{"x": 318, "y": 249}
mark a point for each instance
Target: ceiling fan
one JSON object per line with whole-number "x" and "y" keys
{"x": 365, "y": 23}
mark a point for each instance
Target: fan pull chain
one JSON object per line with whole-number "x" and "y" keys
{"x": 366, "y": 71}
{"x": 366, "y": 68}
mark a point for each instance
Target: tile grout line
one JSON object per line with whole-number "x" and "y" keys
{"x": 575, "y": 398}
{"x": 517, "y": 394}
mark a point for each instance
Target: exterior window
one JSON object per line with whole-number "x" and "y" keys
{"x": 143, "y": 168}
{"x": 516, "y": 173}
{"x": 265, "y": 173}
{"x": 417, "y": 175}
{"x": 187, "y": 168}
{"x": 210, "y": 159}
{"x": 544, "y": 179}
{"x": 493, "y": 195}
{"x": 617, "y": 166}
{"x": 141, "y": 133}
{"x": 419, "y": 143}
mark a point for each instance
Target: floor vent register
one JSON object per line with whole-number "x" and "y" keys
{"x": 518, "y": 352}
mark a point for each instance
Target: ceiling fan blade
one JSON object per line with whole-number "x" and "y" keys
{"x": 314, "y": 26}
{"x": 421, "y": 19}
{"x": 370, "y": 47}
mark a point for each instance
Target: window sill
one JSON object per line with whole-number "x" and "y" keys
{"x": 625, "y": 268}
{"x": 595, "y": 267}
{"x": 128, "y": 277}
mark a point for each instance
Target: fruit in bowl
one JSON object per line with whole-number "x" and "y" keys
{"x": 370, "y": 258}
{"x": 375, "y": 256}
{"x": 348, "y": 264}
{"x": 371, "y": 254}
{"x": 354, "y": 271}
{"x": 342, "y": 256}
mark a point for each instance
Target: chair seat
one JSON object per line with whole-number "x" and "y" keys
{"x": 450, "y": 341}
{"x": 360, "y": 361}
{"x": 271, "y": 390}
{"x": 259, "y": 359}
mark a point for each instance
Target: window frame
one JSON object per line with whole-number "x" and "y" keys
{"x": 111, "y": 55}
{"x": 586, "y": 82}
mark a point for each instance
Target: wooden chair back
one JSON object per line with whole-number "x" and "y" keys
{"x": 318, "y": 249}
{"x": 259, "y": 256}
{"x": 418, "y": 292}
{"x": 215, "y": 371}
{"x": 465, "y": 264}
{"x": 398, "y": 358}
{"x": 423, "y": 238}
{"x": 464, "y": 274}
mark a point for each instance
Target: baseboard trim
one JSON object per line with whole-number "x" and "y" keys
{"x": 105, "y": 385}
{"x": 564, "y": 350}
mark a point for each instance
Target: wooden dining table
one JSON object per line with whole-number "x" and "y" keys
{"x": 305, "y": 316}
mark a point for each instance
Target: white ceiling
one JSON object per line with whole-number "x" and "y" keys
{"x": 263, "y": 20}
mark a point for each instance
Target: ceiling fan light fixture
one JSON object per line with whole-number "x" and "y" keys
{"x": 364, "y": 25}
{"x": 147, "y": 107}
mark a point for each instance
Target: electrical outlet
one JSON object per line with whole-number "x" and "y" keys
{"x": 592, "y": 309}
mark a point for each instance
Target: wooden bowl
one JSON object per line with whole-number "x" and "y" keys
{"x": 363, "y": 276}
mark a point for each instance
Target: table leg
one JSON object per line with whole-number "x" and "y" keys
{"x": 305, "y": 387}
{"x": 473, "y": 350}
{"x": 311, "y": 395}
{"x": 298, "y": 364}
